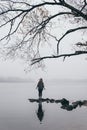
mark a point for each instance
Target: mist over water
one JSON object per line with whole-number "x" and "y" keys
{"x": 17, "y": 113}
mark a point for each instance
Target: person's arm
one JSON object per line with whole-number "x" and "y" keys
{"x": 43, "y": 86}
{"x": 37, "y": 85}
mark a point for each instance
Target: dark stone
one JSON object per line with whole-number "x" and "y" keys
{"x": 64, "y": 102}
{"x": 33, "y": 100}
{"x": 78, "y": 103}
{"x": 75, "y": 106}
{"x": 63, "y": 107}
{"x": 52, "y": 100}
{"x": 69, "y": 108}
{"x": 85, "y": 102}
{"x": 39, "y": 100}
{"x": 47, "y": 99}
{"x": 43, "y": 100}
{"x": 57, "y": 101}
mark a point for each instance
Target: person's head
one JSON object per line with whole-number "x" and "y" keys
{"x": 40, "y": 79}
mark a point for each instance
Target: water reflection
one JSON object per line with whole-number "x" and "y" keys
{"x": 40, "y": 112}
{"x": 65, "y": 104}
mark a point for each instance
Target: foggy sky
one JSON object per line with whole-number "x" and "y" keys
{"x": 71, "y": 68}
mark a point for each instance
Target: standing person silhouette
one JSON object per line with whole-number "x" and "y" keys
{"x": 40, "y": 87}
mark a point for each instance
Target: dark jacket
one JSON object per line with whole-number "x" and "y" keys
{"x": 40, "y": 85}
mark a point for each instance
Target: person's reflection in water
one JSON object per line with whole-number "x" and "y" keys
{"x": 40, "y": 112}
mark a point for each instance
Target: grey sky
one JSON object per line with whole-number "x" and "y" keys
{"x": 71, "y": 68}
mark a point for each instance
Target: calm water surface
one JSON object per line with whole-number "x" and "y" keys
{"x": 17, "y": 113}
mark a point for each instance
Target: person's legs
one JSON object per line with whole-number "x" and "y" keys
{"x": 40, "y": 93}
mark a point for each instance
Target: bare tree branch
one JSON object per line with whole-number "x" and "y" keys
{"x": 61, "y": 3}
{"x": 81, "y": 44}
{"x": 34, "y": 61}
{"x": 68, "y": 32}
{"x": 33, "y": 21}
{"x": 18, "y": 2}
